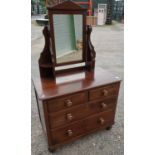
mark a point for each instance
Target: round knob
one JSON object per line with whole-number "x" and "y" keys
{"x": 101, "y": 120}
{"x": 70, "y": 133}
{"x": 105, "y": 92}
{"x": 69, "y": 103}
{"x": 69, "y": 117}
{"x": 103, "y": 105}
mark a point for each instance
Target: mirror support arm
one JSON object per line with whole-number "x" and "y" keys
{"x": 46, "y": 60}
{"x": 91, "y": 54}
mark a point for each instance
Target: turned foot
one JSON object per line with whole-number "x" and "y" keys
{"x": 109, "y": 127}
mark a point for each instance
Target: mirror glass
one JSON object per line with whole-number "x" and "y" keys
{"x": 68, "y": 32}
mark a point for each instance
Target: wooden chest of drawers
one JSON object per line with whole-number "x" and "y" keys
{"x": 76, "y": 105}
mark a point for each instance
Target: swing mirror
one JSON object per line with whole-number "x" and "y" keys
{"x": 68, "y": 47}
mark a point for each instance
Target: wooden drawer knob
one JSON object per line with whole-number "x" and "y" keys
{"x": 68, "y": 103}
{"x": 101, "y": 120}
{"x": 103, "y": 105}
{"x": 69, "y": 133}
{"x": 105, "y": 92}
{"x": 69, "y": 117}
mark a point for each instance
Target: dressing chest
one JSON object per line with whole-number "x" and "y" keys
{"x": 78, "y": 98}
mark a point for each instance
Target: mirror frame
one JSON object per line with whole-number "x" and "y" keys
{"x": 70, "y": 8}
{"x": 83, "y": 38}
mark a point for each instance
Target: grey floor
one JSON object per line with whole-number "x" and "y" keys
{"x": 109, "y": 45}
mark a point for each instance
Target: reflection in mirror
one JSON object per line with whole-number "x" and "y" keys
{"x": 68, "y": 32}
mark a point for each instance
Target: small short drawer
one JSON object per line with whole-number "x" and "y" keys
{"x": 104, "y": 105}
{"x": 66, "y": 102}
{"x": 80, "y": 112}
{"x": 82, "y": 127}
{"x": 103, "y": 92}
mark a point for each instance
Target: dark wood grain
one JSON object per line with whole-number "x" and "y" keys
{"x": 85, "y": 109}
{"x": 60, "y": 135}
{"x": 73, "y": 82}
{"x": 91, "y": 54}
{"x": 107, "y": 126}
{"x": 61, "y": 102}
{"x": 83, "y": 89}
{"x": 104, "y": 92}
{"x": 46, "y": 60}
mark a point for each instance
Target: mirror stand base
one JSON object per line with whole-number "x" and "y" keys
{"x": 47, "y": 72}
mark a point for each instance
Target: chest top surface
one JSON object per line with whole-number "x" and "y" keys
{"x": 73, "y": 82}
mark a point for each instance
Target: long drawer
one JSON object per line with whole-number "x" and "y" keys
{"x": 101, "y": 120}
{"x": 66, "y": 102}
{"x": 79, "y": 112}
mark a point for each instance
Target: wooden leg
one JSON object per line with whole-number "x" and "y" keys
{"x": 109, "y": 127}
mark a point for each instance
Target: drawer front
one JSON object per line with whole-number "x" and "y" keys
{"x": 67, "y": 133}
{"x": 99, "y": 121}
{"x": 80, "y": 112}
{"x": 103, "y": 105}
{"x": 103, "y": 92}
{"x": 83, "y": 127}
{"x": 65, "y": 117}
{"x": 66, "y": 102}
